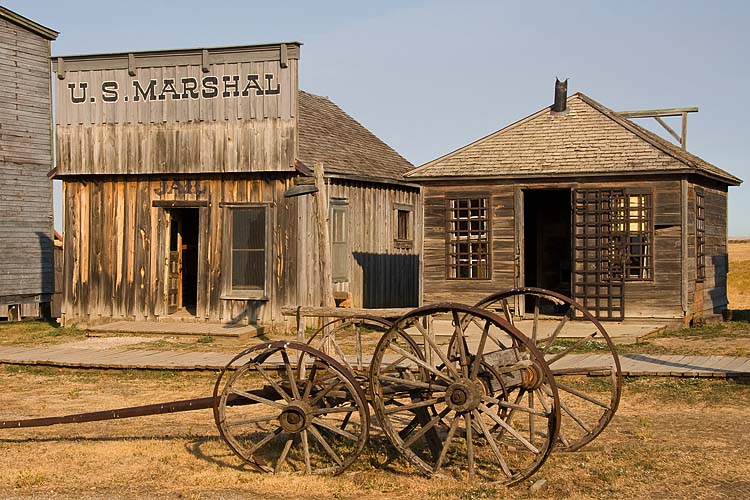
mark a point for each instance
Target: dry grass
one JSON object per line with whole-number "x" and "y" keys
{"x": 738, "y": 280}
{"x": 670, "y": 439}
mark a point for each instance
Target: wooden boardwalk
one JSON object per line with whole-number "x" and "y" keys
{"x": 125, "y": 358}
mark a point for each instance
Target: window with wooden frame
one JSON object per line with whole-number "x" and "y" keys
{"x": 247, "y": 239}
{"x": 339, "y": 241}
{"x": 700, "y": 237}
{"x": 404, "y": 224}
{"x": 468, "y": 238}
{"x": 633, "y": 224}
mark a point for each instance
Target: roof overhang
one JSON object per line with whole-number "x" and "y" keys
{"x": 27, "y": 23}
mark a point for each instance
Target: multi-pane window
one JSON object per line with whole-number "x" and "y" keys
{"x": 339, "y": 242}
{"x": 248, "y": 248}
{"x": 468, "y": 238}
{"x": 700, "y": 237}
{"x": 632, "y": 223}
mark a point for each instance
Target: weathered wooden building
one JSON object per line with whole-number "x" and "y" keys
{"x": 582, "y": 201}
{"x": 175, "y": 165}
{"x": 26, "y": 247}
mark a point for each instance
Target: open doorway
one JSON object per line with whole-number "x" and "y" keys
{"x": 547, "y": 239}
{"x": 183, "y": 260}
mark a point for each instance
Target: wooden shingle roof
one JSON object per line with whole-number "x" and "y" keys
{"x": 587, "y": 139}
{"x": 346, "y": 148}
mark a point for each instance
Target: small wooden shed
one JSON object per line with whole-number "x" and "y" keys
{"x": 26, "y": 246}
{"x": 175, "y": 165}
{"x": 584, "y": 202}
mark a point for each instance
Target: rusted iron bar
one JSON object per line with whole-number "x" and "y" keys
{"x": 136, "y": 411}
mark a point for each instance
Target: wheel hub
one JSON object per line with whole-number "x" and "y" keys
{"x": 295, "y": 418}
{"x": 464, "y": 395}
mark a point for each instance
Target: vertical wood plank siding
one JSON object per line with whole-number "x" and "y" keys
{"x": 26, "y": 259}
{"x": 116, "y": 240}
{"x": 656, "y": 298}
{"x": 381, "y": 272}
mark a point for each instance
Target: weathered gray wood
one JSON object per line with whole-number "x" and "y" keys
{"x": 26, "y": 260}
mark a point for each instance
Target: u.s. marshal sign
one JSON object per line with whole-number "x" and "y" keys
{"x": 207, "y": 87}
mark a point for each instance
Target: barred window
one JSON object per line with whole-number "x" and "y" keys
{"x": 632, "y": 221}
{"x": 468, "y": 238}
{"x": 700, "y": 237}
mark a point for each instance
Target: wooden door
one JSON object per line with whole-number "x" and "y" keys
{"x": 174, "y": 288}
{"x": 599, "y": 221}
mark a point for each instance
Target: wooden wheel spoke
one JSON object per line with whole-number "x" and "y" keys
{"x": 421, "y": 363}
{"x": 390, "y": 367}
{"x": 583, "y": 370}
{"x": 447, "y": 443}
{"x": 582, "y": 395}
{"x": 310, "y": 381}
{"x": 257, "y": 446}
{"x": 284, "y": 452}
{"x": 549, "y": 341}
{"x": 253, "y": 420}
{"x": 271, "y": 381}
{"x": 290, "y": 373}
{"x": 432, "y": 385}
{"x": 458, "y": 333}
{"x": 338, "y": 409}
{"x": 491, "y": 440}
{"x": 327, "y": 447}
{"x": 325, "y": 391}
{"x": 258, "y": 399}
{"x": 441, "y": 355}
{"x": 429, "y": 425}
{"x": 567, "y": 351}
{"x": 506, "y": 312}
{"x": 578, "y": 420}
{"x": 469, "y": 444}
{"x": 409, "y": 407}
{"x": 535, "y": 327}
{"x": 505, "y": 404}
{"x": 306, "y": 451}
{"x": 510, "y": 429}
{"x": 480, "y": 351}
{"x": 332, "y": 428}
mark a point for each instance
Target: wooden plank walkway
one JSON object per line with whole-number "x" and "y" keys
{"x": 150, "y": 359}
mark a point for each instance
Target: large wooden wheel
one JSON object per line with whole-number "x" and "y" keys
{"x": 348, "y": 340}
{"x": 441, "y": 381}
{"x": 587, "y": 405}
{"x": 284, "y": 406}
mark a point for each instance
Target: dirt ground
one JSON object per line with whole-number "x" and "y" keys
{"x": 671, "y": 438}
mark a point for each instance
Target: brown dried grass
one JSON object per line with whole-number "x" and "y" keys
{"x": 670, "y": 439}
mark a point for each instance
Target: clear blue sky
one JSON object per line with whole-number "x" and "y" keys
{"x": 428, "y": 77}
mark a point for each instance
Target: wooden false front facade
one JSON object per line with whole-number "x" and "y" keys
{"x": 585, "y": 203}
{"x": 174, "y": 207}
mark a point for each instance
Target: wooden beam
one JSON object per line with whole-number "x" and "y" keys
{"x": 650, "y": 113}
{"x": 324, "y": 240}
{"x": 342, "y": 312}
{"x": 669, "y": 129}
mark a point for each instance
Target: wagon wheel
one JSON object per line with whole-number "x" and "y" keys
{"x": 279, "y": 419}
{"x": 451, "y": 411}
{"x": 349, "y": 340}
{"x": 586, "y": 405}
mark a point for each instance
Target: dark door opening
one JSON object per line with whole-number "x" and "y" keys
{"x": 183, "y": 260}
{"x": 547, "y": 243}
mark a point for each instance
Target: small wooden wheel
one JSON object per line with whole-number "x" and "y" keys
{"x": 289, "y": 407}
{"x": 586, "y": 405}
{"x": 441, "y": 381}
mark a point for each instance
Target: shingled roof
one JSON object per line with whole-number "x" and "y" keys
{"x": 587, "y": 139}
{"x": 346, "y": 148}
